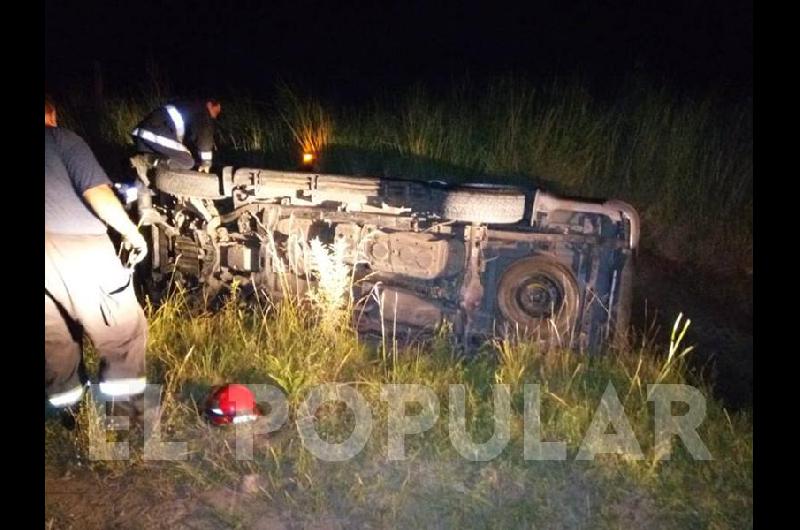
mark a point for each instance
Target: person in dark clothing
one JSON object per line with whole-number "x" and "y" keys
{"x": 180, "y": 133}
{"x": 86, "y": 287}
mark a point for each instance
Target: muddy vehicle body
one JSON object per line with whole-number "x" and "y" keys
{"x": 490, "y": 260}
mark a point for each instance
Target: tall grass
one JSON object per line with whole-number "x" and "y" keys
{"x": 189, "y": 351}
{"x": 310, "y": 123}
{"x": 685, "y": 162}
{"x": 296, "y": 345}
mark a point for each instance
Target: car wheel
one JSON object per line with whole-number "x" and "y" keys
{"x": 539, "y": 296}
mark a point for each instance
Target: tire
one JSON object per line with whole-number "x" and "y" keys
{"x": 482, "y": 203}
{"x": 189, "y": 184}
{"x": 539, "y": 296}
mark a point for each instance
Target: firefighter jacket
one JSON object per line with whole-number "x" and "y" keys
{"x": 181, "y": 126}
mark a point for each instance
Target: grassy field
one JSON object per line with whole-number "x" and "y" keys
{"x": 434, "y": 487}
{"x": 686, "y": 164}
{"x": 300, "y": 344}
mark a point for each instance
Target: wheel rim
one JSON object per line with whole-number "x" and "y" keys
{"x": 536, "y": 291}
{"x": 539, "y": 297}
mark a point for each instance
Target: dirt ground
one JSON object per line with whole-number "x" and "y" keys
{"x": 81, "y": 499}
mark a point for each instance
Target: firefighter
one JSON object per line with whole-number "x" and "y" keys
{"x": 180, "y": 132}
{"x": 87, "y": 288}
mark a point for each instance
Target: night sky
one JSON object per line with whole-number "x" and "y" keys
{"x": 347, "y": 49}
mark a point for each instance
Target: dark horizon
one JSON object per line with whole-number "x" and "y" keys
{"x": 350, "y": 51}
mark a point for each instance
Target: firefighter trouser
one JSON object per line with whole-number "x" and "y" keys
{"x": 88, "y": 290}
{"x": 176, "y": 159}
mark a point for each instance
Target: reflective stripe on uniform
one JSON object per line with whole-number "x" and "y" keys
{"x": 177, "y": 119}
{"x": 123, "y": 387}
{"x": 244, "y": 418}
{"x": 70, "y": 397}
{"x": 205, "y": 155}
{"x": 161, "y": 140}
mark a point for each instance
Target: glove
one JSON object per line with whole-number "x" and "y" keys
{"x": 136, "y": 246}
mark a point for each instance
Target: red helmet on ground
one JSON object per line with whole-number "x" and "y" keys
{"x": 231, "y": 404}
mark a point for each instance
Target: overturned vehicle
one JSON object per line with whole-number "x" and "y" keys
{"x": 489, "y": 260}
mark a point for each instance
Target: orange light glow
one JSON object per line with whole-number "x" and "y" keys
{"x": 308, "y": 158}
